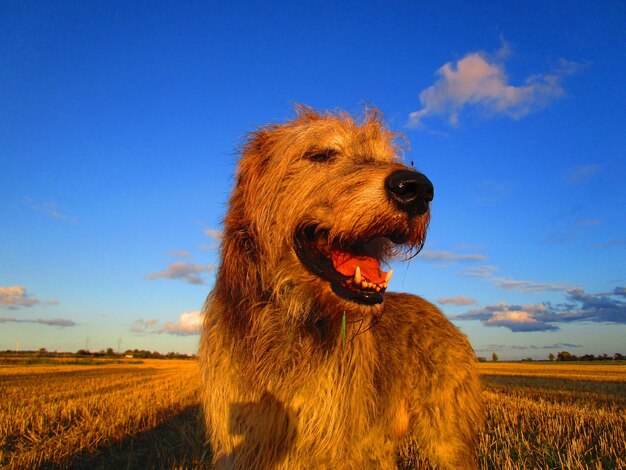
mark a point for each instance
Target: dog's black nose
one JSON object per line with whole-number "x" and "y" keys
{"x": 410, "y": 191}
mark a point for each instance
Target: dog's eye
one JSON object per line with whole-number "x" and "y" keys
{"x": 323, "y": 155}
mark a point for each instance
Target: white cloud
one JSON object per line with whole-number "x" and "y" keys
{"x": 513, "y": 319}
{"x": 605, "y": 307}
{"x": 16, "y": 295}
{"x": 588, "y": 222}
{"x": 51, "y": 209}
{"x": 486, "y": 272}
{"x": 216, "y": 236}
{"x": 13, "y": 297}
{"x": 480, "y": 271}
{"x": 489, "y": 192}
{"x": 581, "y": 174}
{"x": 214, "y": 233}
{"x": 460, "y": 300}
{"x": 179, "y": 253}
{"x": 184, "y": 271}
{"x": 478, "y": 81}
{"x": 143, "y": 326}
{"x": 611, "y": 243}
{"x": 529, "y": 286}
{"x": 188, "y": 323}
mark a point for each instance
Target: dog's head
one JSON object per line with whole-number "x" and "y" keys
{"x": 320, "y": 204}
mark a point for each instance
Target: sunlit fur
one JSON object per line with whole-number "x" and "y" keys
{"x": 281, "y": 390}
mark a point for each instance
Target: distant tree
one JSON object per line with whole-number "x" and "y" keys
{"x": 603, "y": 357}
{"x": 618, "y": 357}
{"x": 551, "y": 357}
{"x": 494, "y": 357}
{"x": 566, "y": 356}
{"x": 43, "y": 351}
{"x": 481, "y": 359}
{"x": 110, "y": 352}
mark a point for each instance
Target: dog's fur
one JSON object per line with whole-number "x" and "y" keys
{"x": 284, "y": 386}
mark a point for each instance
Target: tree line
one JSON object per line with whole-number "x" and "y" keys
{"x": 566, "y": 356}
{"x": 109, "y": 352}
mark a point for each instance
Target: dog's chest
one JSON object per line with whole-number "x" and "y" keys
{"x": 340, "y": 398}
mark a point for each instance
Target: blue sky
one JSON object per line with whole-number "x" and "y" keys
{"x": 119, "y": 124}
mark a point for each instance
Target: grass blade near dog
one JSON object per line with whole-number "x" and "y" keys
{"x": 308, "y": 362}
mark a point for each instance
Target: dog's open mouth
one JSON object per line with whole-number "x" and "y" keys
{"x": 353, "y": 271}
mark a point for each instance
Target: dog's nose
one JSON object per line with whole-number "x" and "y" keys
{"x": 410, "y": 191}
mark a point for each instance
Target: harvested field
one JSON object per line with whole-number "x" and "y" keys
{"x": 104, "y": 416}
{"x": 146, "y": 415}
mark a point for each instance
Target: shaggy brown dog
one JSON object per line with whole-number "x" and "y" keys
{"x": 307, "y": 361}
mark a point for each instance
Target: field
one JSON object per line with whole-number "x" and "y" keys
{"x": 115, "y": 414}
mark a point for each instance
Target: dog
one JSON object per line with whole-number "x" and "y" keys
{"x": 307, "y": 361}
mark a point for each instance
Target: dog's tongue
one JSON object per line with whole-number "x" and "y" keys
{"x": 346, "y": 264}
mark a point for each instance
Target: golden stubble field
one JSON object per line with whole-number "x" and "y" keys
{"x": 146, "y": 415}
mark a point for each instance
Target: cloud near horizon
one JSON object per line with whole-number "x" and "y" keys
{"x": 14, "y": 297}
{"x": 606, "y": 307}
{"x": 187, "y": 272}
{"x": 188, "y": 324}
{"x": 514, "y": 347}
{"x": 62, "y": 322}
{"x": 479, "y": 81}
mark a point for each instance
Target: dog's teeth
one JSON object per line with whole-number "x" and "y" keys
{"x": 363, "y": 283}
{"x": 388, "y": 276}
{"x": 377, "y": 288}
{"x": 357, "y": 275}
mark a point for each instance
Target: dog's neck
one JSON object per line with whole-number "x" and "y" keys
{"x": 313, "y": 335}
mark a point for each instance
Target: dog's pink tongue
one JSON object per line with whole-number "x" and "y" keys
{"x": 346, "y": 264}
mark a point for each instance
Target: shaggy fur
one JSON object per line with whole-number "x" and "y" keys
{"x": 284, "y": 387}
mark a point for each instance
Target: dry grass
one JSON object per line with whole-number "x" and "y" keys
{"x": 550, "y": 416}
{"x": 541, "y": 416}
{"x": 577, "y": 370}
{"x": 92, "y": 416}
{"x": 554, "y": 416}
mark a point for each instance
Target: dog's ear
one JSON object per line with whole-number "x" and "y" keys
{"x": 240, "y": 262}
{"x": 255, "y": 153}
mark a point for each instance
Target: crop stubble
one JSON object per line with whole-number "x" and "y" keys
{"x": 146, "y": 416}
